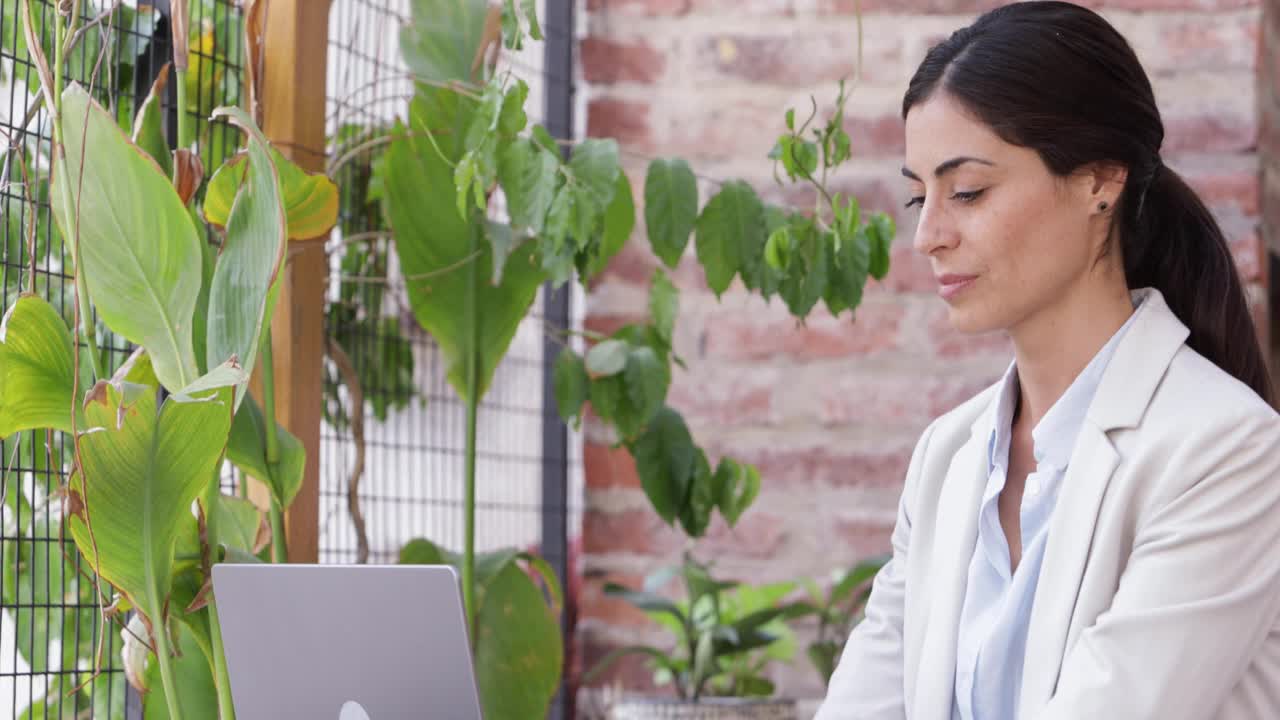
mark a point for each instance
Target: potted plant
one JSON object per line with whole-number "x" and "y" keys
{"x": 836, "y": 611}
{"x": 726, "y": 635}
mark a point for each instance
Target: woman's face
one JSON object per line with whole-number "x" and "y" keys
{"x": 1006, "y": 238}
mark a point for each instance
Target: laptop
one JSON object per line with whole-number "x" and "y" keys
{"x": 345, "y": 642}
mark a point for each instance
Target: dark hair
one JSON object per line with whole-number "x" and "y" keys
{"x": 1058, "y": 79}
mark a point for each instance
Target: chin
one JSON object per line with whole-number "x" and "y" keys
{"x": 972, "y": 318}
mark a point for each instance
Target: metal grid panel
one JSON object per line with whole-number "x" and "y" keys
{"x": 414, "y": 424}
{"x": 51, "y": 624}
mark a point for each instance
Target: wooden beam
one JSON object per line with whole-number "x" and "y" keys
{"x": 293, "y": 115}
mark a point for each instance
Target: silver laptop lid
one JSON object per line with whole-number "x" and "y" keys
{"x": 343, "y": 642}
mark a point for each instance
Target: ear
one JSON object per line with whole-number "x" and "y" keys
{"x": 1103, "y": 182}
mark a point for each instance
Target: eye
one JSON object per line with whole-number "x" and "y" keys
{"x": 917, "y": 200}
{"x": 967, "y": 196}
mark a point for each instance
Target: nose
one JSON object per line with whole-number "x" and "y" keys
{"x": 934, "y": 231}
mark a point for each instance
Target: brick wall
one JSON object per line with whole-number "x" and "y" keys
{"x": 1269, "y": 160}
{"x": 830, "y": 412}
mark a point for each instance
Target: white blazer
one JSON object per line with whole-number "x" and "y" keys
{"x": 1159, "y": 598}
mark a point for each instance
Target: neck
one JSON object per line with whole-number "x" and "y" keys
{"x": 1055, "y": 344}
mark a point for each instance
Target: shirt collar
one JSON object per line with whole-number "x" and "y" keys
{"x": 1054, "y": 437}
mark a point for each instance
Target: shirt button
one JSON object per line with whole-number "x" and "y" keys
{"x": 1033, "y": 486}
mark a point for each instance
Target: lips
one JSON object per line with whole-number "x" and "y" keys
{"x": 952, "y": 284}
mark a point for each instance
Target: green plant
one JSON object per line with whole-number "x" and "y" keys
{"x": 726, "y": 633}
{"x": 837, "y": 610}
{"x": 471, "y": 275}
{"x": 148, "y": 440}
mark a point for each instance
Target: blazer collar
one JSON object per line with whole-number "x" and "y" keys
{"x": 1140, "y": 362}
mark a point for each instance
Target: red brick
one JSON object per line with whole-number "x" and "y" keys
{"x": 948, "y": 342}
{"x": 759, "y": 534}
{"x": 903, "y": 400}
{"x": 741, "y": 397}
{"x": 1192, "y": 44}
{"x": 1209, "y": 130}
{"x": 627, "y": 121}
{"x": 633, "y": 264}
{"x": 741, "y": 8}
{"x": 861, "y": 538}
{"x": 607, "y": 467}
{"x": 615, "y": 60}
{"x": 878, "y": 136}
{"x": 610, "y": 324}
{"x": 1237, "y": 188}
{"x": 755, "y": 336}
{"x": 969, "y": 7}
{"x": 799, "y": 59}
{"x": 919, "y": 7}
{"x": 909, "y": 271}
{"x": 745, "y": 127}
{"x": 640, "y": 7}
{"x": 630, "y": 531}
{"x": 816, "y": 467}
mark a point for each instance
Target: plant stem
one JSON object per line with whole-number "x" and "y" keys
{"x": 279, "y": 549}
{"x": 221, "y": 680}
{"x": 160, "y": 634}
{"x": 473, "y": 403}
{"x": 59, "y": 153}
{"x": 186, "y": 134}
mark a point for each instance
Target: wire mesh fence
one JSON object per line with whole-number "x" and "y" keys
{"x": 58, "y": 657}
{"x": 404, "y": 452}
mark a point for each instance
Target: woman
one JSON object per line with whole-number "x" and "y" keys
{"x": 1097, "y": 536}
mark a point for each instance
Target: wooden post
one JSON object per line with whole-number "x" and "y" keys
{"x": 293, "y": 115}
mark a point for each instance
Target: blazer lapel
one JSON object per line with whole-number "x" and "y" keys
{"x": 1066, "y": 554}
{"x": 953, "y": 543}
{"x": 1124, "y": 392}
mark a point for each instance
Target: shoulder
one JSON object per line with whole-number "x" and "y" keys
{"x": 1203, "y": 423}
{"x": 1196, "y": 396}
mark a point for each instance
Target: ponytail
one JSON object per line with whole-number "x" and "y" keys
{"x": 1171, "y": 242}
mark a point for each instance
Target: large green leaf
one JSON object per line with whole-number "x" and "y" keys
{"x": 519, "y": 649}
{"x": 528, "y": 173}
{"x": 36, "y": 370}
{"x": 142, "y": 468}
{"x": 670, "y": 207}
{"x": 310, "y": 199}
{"x": 139, "y": 250}
{"x": 571, "y": 384}
{"x": 730, "y": 235}
{"x": 245, "y": 449}
{"x": 250, "y": 260}
{"x": 445, "y": 258}
{"x": 440, "y": 40}
{"x": 518, "y": 646}
{"x": 665, "y": 460}
{"x": 148, "y": 125}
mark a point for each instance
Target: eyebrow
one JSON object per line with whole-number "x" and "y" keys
{"x": 948, "y": 166}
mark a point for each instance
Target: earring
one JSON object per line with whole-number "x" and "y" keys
{"x": 1102, "y": 206}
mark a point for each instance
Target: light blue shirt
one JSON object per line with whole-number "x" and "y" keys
{"x": 997, "y": 605}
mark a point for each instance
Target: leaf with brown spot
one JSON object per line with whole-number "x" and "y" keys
{"x": 188, "y": 172}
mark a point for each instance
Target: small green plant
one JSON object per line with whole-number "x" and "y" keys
{"x": 837, "y": 610}
{"x": 726, "y": 633}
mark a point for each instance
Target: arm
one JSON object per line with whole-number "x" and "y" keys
{"x": 868, "y": 682}
{"x": 1198, "y": 595}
